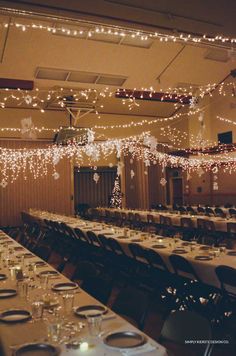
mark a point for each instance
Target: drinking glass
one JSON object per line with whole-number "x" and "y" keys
{"x": 68, "y": 302}
{"x": 23, "y": 288}
{"x": 54, "y": 330}
{"x": 44, "y": 281}
{"x": 37, "y": 310}
{"x": 94, "y": 324}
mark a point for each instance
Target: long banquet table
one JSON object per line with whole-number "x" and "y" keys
{"x": 15, "y": 334}
{"x": 220, "y": 223}
{"x": 204, "y": 269}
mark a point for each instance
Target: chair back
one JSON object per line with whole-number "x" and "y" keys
{"x": 231, "y": 228}
{"x": 133, "y": 304}
{"x": 182, "y": 267}
{"x": 226, "y": 276}
{"x": 150, "y": 219}
{"x": 187, "y": 325}
{"x": 209, "y": 225}
{"x": 186, "y": 223}
{"x": 93, "y": 239}
{"x": 190, "y": 209}
{"x": 219, "y": 212}
{"x": 80, "y": 235}
{"x": 201, "y": 224}
{"x": 104, "y": 243}
{"x": 232, "y": 212}
{"x": 200, "y": 210}
{"x": 137, "y": 252}
{"x": 116, "y": 247}
{"x": 155, "y": 260}
{"x": 209, "y": 211}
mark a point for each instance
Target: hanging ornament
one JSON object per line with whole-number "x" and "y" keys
{"x": 146, "y": 173}
{"x": 163, "y": 181}
{"x": 215, "y": 170}
{"x": 3, "y": 183}
{"x": 147, "y": 162}
{"x": 215, "y": 177}
{"x": 55, "y": 160}
{"x": 131, "y": 161}
{"x": 56, "y": 175}
{"x": 110, "y": 165}
{"x": 188, "y": 176}
{"x": 151, "y": 142}
{"x": 193, "y": 102}
{"x": 215, "y": 186}
{"x": 118, "y": 149}
{"x": 96, "y": 177}
{"x": 132, "y": 174}
{"x": 90, "y": 135}
{"x": 120, "y": 166}
{"x": 28, "y": 129}
{"x": 28, "y": 99}
{"x": 200, "y": 172}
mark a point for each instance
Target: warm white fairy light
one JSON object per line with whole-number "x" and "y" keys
{"x": 228, "y": 121}
{"x": 115, "y": 31}
{"x": 37, "y": 162}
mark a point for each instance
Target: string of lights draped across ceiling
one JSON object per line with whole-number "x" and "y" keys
{"x": 143, "y": 147}
{"x": 78, "y": 28}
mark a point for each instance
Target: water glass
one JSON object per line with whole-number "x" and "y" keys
{"x": 94, "y": 325}
{"x": 44, "y": 281}
{"x": 37, "y": 309}
{"x": 54, "y": 330}
{"x": 23, "y": 288}
{"x": 68, "y": 302}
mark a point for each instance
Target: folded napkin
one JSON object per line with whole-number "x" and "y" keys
{"x": 139, "y": 350}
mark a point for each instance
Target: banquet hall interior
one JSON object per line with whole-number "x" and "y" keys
{"x": 117, "y": 177}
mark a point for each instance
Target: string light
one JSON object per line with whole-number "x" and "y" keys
{"x": 228, "y": 121}
{"x": 96, "y": 30}
{"x": 14, "y": 162}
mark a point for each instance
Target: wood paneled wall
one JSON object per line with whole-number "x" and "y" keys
{"x": 136, "y": 188}
{"x": 42, "y": 193}
{"x": 89, "y": 192}
{"x": 226, "y": 192}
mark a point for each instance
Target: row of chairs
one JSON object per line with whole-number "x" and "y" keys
{"x": 205, "y": 232}
{"x": 144, "y": 270}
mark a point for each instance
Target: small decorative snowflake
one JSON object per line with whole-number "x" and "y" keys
{"x": 163, "y": 181}
{"x": 200, "y": 172}
{"x": 3, "y": 183}
{"x": 28, "y": 99}
{"x": 96, "y": 177}
{"x": 132, "y": 174}
{"x": 56, "y": 175}
{"x": 215, "y": 170}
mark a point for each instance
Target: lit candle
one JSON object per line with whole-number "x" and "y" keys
{"x": 84, "y": 346}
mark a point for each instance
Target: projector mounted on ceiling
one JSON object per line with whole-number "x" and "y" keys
{"x": 69, "y": 134}
{"x": 74, "y": 133}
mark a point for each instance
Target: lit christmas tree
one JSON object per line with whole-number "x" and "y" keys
{"x": 116, "y": 198}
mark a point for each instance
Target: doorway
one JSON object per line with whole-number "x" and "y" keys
{"x": 177, "y": 190}
{"x": 90, "y": 192}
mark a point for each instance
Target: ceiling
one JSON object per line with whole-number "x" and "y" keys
{"x": 59, "y": 60}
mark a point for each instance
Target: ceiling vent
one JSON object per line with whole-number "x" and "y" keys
{"x": 79, "y": 77}
{"x": 217, "y": 55}
{"x": 82, "y": 32}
